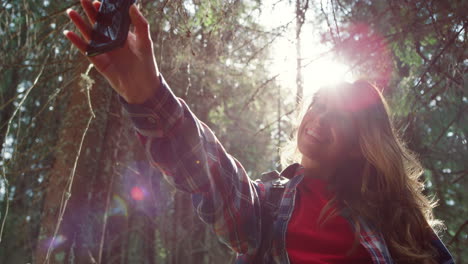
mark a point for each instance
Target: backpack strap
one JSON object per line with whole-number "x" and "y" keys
{"x": 274, "y": 189}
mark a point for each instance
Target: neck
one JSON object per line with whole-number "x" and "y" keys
{"x": 315, "y": 169}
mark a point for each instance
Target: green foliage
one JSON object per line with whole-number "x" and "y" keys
{"x": 212, "y": 55}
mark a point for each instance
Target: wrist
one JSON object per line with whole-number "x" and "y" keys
{"x": 138, "y": 98}
{"x": 147, "y": 90}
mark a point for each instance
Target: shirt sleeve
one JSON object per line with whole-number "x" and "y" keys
{"x": 193, "y": 160}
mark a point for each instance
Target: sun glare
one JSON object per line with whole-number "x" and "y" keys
{"x": 321, "y": 72}
{"x": 320, "y": 67}
{"x": 325, "y": 72}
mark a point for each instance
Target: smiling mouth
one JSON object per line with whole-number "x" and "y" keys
{"x": 316, "y": 136}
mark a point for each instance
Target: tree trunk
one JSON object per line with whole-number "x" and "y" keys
{"x": 74, "y": 238}
{"x": 299, "y": 82}
{"x": 7, "y": 111}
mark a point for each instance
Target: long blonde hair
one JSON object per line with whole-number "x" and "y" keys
{"x": 384, "y": 186}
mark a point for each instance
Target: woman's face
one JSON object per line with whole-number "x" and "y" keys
{"x": 327, "y": 134}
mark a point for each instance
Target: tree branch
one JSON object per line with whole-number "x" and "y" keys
{"x": 460, "y": 229}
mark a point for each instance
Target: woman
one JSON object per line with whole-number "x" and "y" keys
{"x": 347, "y": 140}
{"x": 353, "y": 198}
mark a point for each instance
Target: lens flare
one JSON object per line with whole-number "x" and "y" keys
{"x": 56, "y": 241}
{"x": 137, "y": 193}
{"x": 118, "y": 207}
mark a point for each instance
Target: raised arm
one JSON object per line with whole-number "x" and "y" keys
{"x": 193, "y": 160}
{"x": 180, "y": 145}
{"x": 131, "y": 70}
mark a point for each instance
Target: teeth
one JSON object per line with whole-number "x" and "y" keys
{"x": 311, "y": 132}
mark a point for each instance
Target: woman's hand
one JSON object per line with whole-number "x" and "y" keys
{"x": 131, "y": 70}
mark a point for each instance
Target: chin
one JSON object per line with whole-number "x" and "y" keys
{"x": 311, "y": 152}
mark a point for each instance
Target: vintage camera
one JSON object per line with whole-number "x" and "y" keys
{"x": 111, "y": 28}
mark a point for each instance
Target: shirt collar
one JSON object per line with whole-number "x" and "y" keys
{"x": 293, "y": 170}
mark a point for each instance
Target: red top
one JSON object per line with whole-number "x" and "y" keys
{"x": 307, "y": 242}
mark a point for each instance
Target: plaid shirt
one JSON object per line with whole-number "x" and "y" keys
{"x": 193, "y": 160}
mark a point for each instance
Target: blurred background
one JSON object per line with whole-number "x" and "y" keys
{"x": 75, "y": 186}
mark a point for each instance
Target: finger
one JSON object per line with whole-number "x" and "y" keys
{"x": 84, "y": 28}
{"x": 78, "y": 42}
{"x": 90, "y": 10}
{"x": 140, "y": 23}
{"x": 81, "y": 45}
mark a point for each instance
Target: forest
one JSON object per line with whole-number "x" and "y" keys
{"x": 75, "y": 185}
